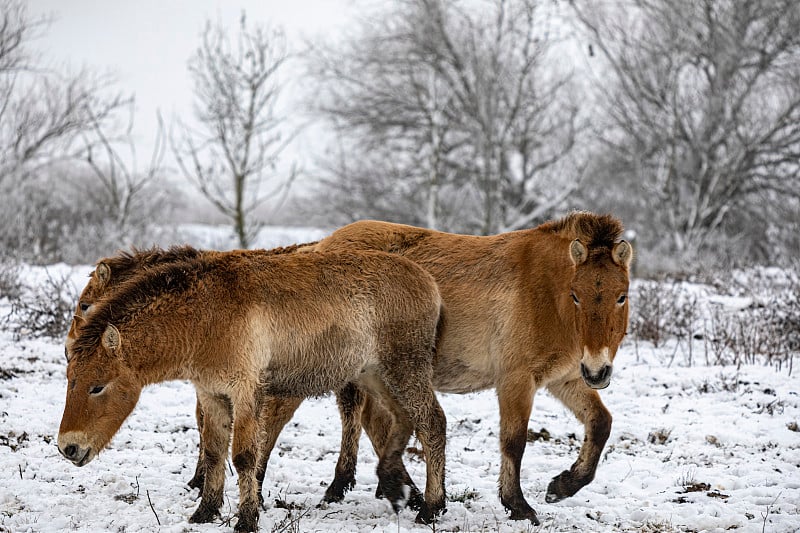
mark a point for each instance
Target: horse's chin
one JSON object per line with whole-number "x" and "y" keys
{"x": 597, "y": 386}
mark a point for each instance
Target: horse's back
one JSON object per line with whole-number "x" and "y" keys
{"x": 321, "y": 318}
{"x": 487, "y": 283}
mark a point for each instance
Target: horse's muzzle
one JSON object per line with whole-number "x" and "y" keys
{"x": 599, "y": 380}
{"x": 77, "y": 455}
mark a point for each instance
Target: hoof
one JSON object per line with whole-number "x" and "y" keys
{"x": 246, "y": 526}
{"x": 552, "y": 497}
{"x": 203, "y": 515}
{"x": 337, "y": 489}
{"x": 564, "y": 485}
{"x": 197, "y": 483}
{"x": 416, "y": 500}
{"x": 530, "y": 514}
{"x": 396, "y": 493}
{"x": 520, "y": 510}
{"x": 428, "y": 515}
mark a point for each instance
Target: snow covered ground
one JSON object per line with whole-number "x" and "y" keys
{"x": 692, "y": 449}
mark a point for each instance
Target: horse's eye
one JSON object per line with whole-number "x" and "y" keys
{"x": 621, "y": 299}
{"x": 84, "y": 307}
{"x": 575, "y": 298}
{"x": 97, "y": 389}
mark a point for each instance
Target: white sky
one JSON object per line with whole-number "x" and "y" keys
{"x": 146, "y": 44}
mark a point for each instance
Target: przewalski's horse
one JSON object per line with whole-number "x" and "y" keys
{"x": 544, "y": 307}
{"x": 109, "y": 272}
{"x": 242, "y": 328}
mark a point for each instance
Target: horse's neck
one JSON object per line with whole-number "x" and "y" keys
{"x": 168, "y": 353}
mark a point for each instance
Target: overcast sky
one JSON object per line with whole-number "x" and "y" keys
{"x": 146, "y": 44}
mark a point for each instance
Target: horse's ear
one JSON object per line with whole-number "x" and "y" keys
{"x": 103, "y": 272}
{"x": 111, "y": 339}
{"x": 622, "y": 254}
{"x": 578, "y": 252}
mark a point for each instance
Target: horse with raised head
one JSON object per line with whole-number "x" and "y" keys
{"x": 545, "y": 307}
{"x": 243, "y": 328}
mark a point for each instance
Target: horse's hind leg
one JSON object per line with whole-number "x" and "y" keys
{"x": 585, "y": 403}
{"x": 199, "y": 471}
{"x": 274, "y": 414}
{"x": 390, "y": 458}
{"x": 414, "y": 394}
{"x": 377, "y": 423}
{"x": 351, "y": 403}
{"x": 218, "y": 413}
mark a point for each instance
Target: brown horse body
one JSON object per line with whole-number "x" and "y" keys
{"x": 246, "y": 328}
{"x": 110, "y": 272}
{"x": 545, "y": 307}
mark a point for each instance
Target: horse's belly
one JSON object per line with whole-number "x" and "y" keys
{"x": 454, "y": 375}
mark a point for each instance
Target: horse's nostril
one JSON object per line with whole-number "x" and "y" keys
{"x": 71, "y": 451}
{"x": 602, "y": 376}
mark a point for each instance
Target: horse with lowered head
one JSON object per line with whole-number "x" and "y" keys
{"x": 111, "y": 271}
{"x": 243, "y": 328}
{"x": 545, "y": 307}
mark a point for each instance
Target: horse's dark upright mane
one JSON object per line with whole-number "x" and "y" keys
{"x": 125, "y": 263}
{"x": 130, "y": 296}
{"x": 595, "y": 231}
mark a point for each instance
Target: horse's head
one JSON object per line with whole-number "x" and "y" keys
{"x": 599, "y": 292}
{"x": 101, "y": 392}
{"x": 98, "y": 282}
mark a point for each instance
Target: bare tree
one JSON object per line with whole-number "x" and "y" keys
{"x": 458, "y": 98}
{"x": 42, "y": 113}
{"x": 234, "y": 154}
{"x": 46, "y": 119}
{"x": 704, "y": 109}
{"x": 123, "y": 186}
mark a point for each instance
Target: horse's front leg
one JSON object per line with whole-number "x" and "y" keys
{"x": 218, "y": 412}
{"x": 245, "y": 460}
{"x": 351, "y": 401}
{"x": 515, "y": 395}
{"x": 587, "y": 406}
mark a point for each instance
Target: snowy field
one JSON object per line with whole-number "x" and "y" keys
{"x": 698, "y": 448}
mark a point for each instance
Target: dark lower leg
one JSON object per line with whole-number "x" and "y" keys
{"x": 351, "y": 404}
{"x": 377, "y": 422}
{"x": 216, "y": 435}
{"x": 245, "y": 452}
{"x": 585, "y": 403}
{"x": 516, "y": 400}
{"x": 199, "y": 470}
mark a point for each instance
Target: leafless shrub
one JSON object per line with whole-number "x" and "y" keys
{"x": 768, "y": 334}
{"x": 43, "y": 311}
{"x": 764, "y": 331}
{"x": 662, "y": 310}
{"x": 10, "y": 284}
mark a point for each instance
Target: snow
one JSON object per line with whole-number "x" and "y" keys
{"x": 722, "y": 430}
